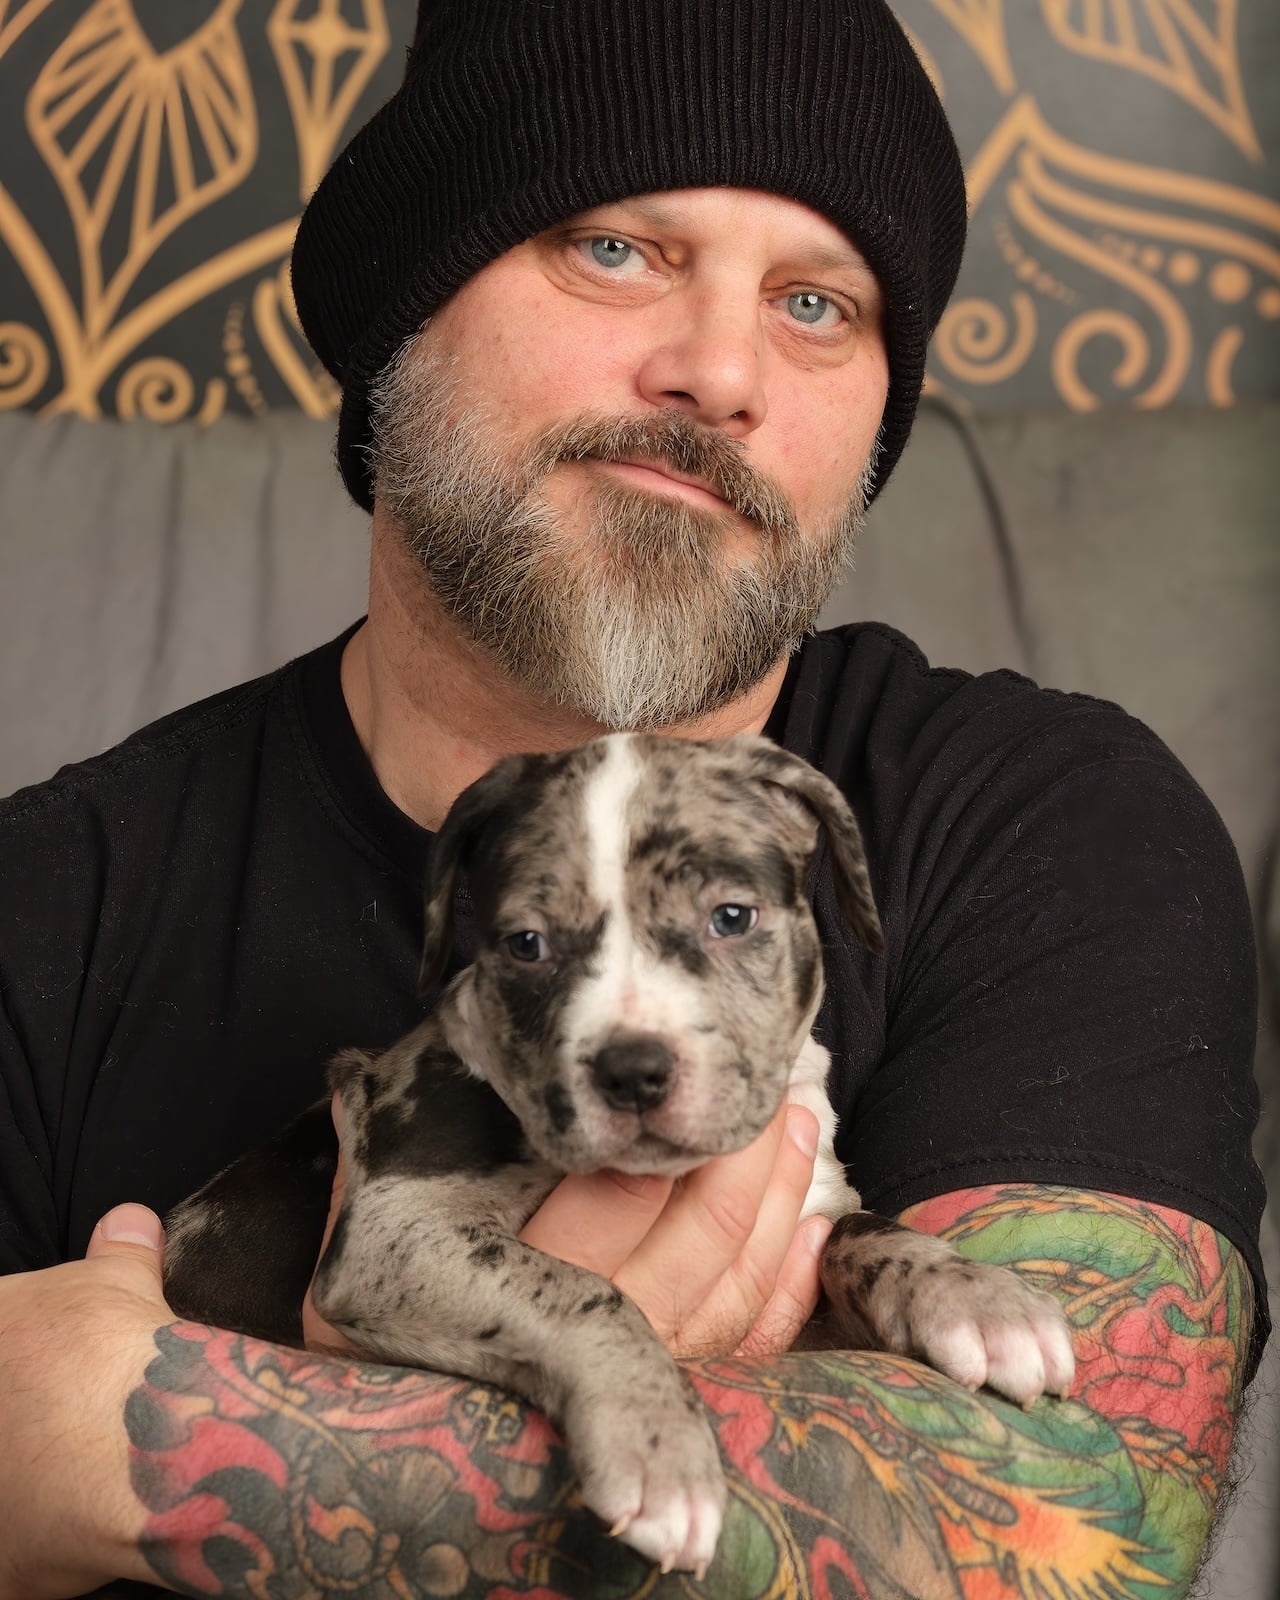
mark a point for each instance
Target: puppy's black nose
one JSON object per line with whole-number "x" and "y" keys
{"x": 633, "y": 1074}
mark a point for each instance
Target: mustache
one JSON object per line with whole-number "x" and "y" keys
{"x": 672, "y": 439}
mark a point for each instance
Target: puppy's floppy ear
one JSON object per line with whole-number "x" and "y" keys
{"x": 475, "y": 809}
{"x": 799, "y": 783}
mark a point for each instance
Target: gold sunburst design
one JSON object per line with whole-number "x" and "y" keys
{"x": 165, "y": 135}
{"x": 322, "y": 97}
{"x": 1171, "y": 41}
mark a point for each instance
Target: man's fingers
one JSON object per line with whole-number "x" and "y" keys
{"x": 700, "y": 1235}
{"x": 795, "y": 1295}
{"x": 597, "y": 1219}
{"x": 757, "y": 1267}
{"x": 734, "y": 1305}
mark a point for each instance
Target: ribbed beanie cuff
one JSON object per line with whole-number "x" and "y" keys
{"x": 516, "y": 114}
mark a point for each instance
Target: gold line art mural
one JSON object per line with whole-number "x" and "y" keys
{"x": 1192, "y": 51}
{"x": 1123, "y": 281}
{"x": 1151, "y": 233}
{"x": 140, "y": 140}
{"x": 155, "y": 156}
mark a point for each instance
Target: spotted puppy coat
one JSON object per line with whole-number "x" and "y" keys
{"x": 646, "y": 976}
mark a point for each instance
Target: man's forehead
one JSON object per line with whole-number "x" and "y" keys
{"x": 804, "y": 231}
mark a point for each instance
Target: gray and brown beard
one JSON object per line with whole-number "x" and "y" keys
{"x": 645, "y": 619}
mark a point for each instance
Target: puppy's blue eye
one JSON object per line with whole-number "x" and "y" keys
{"x": 727, "y": 922}
{"x": 528, "y": 946}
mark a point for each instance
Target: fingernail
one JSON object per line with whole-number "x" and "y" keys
{"x": 132, "y": 1224}
{"x": 802, "y": 1127}
{"x": 816, "y": 1233}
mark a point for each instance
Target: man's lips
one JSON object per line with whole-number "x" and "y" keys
{"x": 661, "y": 479}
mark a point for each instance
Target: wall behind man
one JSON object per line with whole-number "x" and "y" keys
{"x": 1121, "y": 157}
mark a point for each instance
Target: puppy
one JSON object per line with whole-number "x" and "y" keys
{"x": 646, "y": 976}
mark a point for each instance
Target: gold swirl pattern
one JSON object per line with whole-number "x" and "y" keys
{"x": 1145, "y": 231}
{"x": 974, "y": 343}
{"x": 24, "y": 365}
{"x": 1027, "y": 196}
{"x": 158, "y": 389}
{"x": 1135, "y": 356}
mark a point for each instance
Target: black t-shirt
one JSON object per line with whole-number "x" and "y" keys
{"x": 194, "y": 922}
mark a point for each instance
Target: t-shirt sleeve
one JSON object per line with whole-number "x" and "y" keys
{"x": 50, "y": 874}
{"x": 28, "y": 1215}
{"x": 1072, "y": 1000}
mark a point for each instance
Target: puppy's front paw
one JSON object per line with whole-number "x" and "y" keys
{"x": 985, "y": 1325}
{"x": 653, "y": 1474}
{"x": 909, "y": 1293}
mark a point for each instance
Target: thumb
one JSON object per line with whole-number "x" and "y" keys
{"x": 128, "y": 1231}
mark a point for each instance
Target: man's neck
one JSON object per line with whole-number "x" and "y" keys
{"x": 433, "y": 714}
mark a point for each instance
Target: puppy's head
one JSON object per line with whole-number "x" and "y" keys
{"x": 647, "y": 966}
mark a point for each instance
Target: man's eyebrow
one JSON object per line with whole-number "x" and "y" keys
{"x": 826, "y": 258}
{"x": 660, "y": 213}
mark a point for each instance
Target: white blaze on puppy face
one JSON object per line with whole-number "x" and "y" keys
{"x": 629, "y": 991}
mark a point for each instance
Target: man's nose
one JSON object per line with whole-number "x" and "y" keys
{"x": 709, "y": 362}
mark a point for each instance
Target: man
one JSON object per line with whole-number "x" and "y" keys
{"x": 630, "y": 306}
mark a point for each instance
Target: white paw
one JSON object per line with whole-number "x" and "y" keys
{"x": 654, "y": 1478}
{"x": 985, "y": 1325}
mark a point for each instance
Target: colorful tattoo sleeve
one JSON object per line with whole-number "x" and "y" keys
{"x": 270, "y": 1473}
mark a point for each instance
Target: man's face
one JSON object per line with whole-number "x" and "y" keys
{"x": 631, "y": 454}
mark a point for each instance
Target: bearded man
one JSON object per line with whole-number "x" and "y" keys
{"x": 629, "y": 304}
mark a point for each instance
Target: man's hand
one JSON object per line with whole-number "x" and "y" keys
{"x": 716, "y": 1261}
{"x": 74, "y": 1342}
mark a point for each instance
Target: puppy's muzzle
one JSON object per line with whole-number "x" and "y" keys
{"x": 633, "y": 1074}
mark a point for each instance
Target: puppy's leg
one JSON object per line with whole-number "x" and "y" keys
{"x": 428, "y": 1271}
{"x": 891, "y": 1288}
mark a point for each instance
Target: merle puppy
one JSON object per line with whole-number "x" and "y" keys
{"x": 646, "y": 976}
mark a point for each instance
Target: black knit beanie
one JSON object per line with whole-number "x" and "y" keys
{"x": 517, "y": 114}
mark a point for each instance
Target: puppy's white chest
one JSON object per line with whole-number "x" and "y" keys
{"x": 830, "y": 1193}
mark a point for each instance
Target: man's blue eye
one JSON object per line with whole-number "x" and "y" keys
{"x": 611, "y": 253}
{"x": 727, "y": 922}
{"x": 808, "y": 307}
{"x": 528, "y": 946}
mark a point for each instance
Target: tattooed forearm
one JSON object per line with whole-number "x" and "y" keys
{"x": 271, "y": 1473}
{"x": 1161, "y": 1309}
